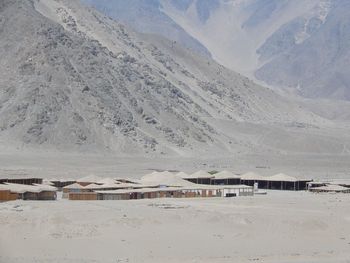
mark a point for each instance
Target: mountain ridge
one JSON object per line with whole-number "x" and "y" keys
{"x": 289, "y": 44}
{"x": 74, "y": 79}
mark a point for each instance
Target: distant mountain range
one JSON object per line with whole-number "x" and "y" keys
{"x": 73, "y": 79}
{"x": 301, "y": 45}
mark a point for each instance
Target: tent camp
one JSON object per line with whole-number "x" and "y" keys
{"x": 200, "y": 177}
{"x": 225, "y": 178}
{"x": 276, "y": 182}
{"x": 177, "y": 192}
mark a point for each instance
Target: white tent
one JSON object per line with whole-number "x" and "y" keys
{"x": 90, "y": 179}
{"x": 164, "y": 178}
{"x": 182, "y": 175}
{"x": 107, "y": 181}
{"x": 74, "y": 186}
{"x": 201, "y": 174}
{"x": 252, "y": 176}
{"x": 281, "y": 177}
{"x": 225, "y": 175}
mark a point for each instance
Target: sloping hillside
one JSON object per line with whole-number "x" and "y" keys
{"x": 73, "y": 79}
{"x": 294, "y": 44}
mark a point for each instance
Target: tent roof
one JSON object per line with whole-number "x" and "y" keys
{"x": 282, "y": 177}
{"x": 200, "y": 174}
{"x": 111, "y": 186}
{"x": 107, "y": 181}
{"x": 152, "y": 174}
{"x": 90, "y": 179}
{"x": 22, "y": 188}
{"x": 128, "y": 180}
{"x": 93, "y": 186}
{"x": 130, "y": 185}
{"x": 45, "y": 187}
{"x": 164, "y": 178}
{"x": 225, "y": 175}
{"x": 47, "y": 182}
{"x": 252, "y": 176}
{"x": 126, "y": 191}
{"x": 182, "y": 174}
{"x": 74, "y": 186}
{"x": 61, "y": 180}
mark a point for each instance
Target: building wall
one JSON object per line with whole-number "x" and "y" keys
{"x": 6, "y": 195}
{"x": 82, "y": 196}
{"x": 47, "y": 195}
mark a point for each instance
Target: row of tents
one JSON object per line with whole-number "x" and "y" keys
{"x": 160, "y": 184}
{"x": 167, "y": 184}
{"x": 154, "y": 185}
{"x": 279, "y": 181}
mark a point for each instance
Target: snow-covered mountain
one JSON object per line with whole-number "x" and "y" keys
{"x": 295, "y": 44}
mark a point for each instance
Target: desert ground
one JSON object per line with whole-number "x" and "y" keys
{"x": 55, "y": 164}
{"x": 277, "y": 227}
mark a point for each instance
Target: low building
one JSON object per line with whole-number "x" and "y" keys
{"x": 6, "y": 195}
{"x": 31, "y": 192}
{"x": 168, "y": 192}
{"x": 82, "y": 196}
{"x": 330, "y": 189}
{"x": 73, "y": 188}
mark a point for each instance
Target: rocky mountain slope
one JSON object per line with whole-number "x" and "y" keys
{"x": 295, "y": 44}
{"x": 146, "y": 16}
{"x": 73, "y": 79}
{"x": 317, "y": 63}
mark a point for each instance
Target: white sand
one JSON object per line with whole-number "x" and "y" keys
{"x": 278, "y": 227}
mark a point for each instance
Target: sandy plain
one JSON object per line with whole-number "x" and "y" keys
{"x": 277, "y": 227}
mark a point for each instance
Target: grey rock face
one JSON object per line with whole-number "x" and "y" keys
{"x": 285, "y": 43}
{"x": 71, "y": 78}
{"x": 319, "y": 65}
{"x": 146, "y": 16}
